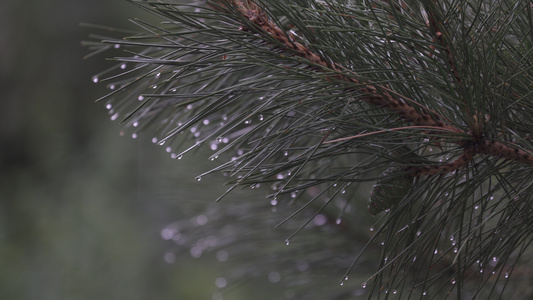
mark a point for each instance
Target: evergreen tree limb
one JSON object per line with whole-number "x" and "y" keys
{"x": 324, "y": 95}
{"x": 380, "y": 96}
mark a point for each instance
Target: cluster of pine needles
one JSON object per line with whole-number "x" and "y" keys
{"x": 430, "y": 100}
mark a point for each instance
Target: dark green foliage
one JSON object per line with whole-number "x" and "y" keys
{"x": 312, "y": 98}
{"x": 392, "y": 186}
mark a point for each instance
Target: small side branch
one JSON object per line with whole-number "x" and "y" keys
{"x": 502, "y": 150}
{"x": 468, "y": 154}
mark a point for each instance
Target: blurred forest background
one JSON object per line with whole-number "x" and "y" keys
{"x": 82, "y": 208}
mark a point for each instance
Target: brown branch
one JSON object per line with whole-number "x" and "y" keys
{"x": 373, "y": 94}
{"x": 438, "y": 36}
{"x": 462, "y": 161}
{"x": 382, "y": 96}
{"x": 502, "y": 150}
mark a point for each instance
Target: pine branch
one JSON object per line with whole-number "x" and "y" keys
{"x": 381, "y": 96}
{"x": 315, "y": 97}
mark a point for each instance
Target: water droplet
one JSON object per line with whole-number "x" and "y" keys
{"x": 205, "y": 122}
{"x": 343, "y": 192}
{"x": 287, "y": 242}
{"x": 111, "y": 86}
{"x": 154, "y": 140}
{"x": 338, "y": 221}
{"x": 219, "y": 139}
{"x": 168, "y": 149}
{"x": 364, "y": 285}
{"x": 506, "y": 275}
{"x": 180, "y": 156}
{"x": 476, "y": 207}
{"x": 455, "y": 250}
{"x": 114, "y": 117}
{"x": 248, "y": 121}
{"x": 169, "y": 258}
{"x": 320, "y": 220}
{"x": 201, "y": 220}
{"x": 157, "y": 75}
{"x": 424, "y": 293}
{"x": 173, "y": 89}
{"x": 167, "y": 233}
{"x": 418, "y": 233}
{"x": 274, "y": 277}
{"x": 274, "y": 202}
{"x": 480, "y": 270}
{"x": 285, "y": 153}
{"x": 108, "y": 106}
{"x": 196, "y": 251}
{"x": 154, "y": 87}
{"x": 123, "y": 66}
{"x": 260, "y": 117}
{"x": 214, "y": 147}
{"x": 293, "y": 195}
{"x": 494, "y": 259}
{"x": 199, "y": 178}
{"x": 436, "y": 251}
{"x": 135, "y": 124}
{"x": 221, "y": 282}
{"x": 217, "y": 296}
{"x": 395, "y": 292}
{"x": 134, "y": 135}
{"x": 95, "y": 79}
{"x": 453, "y": 281}
{"x": 371, "y": 229}
{"x": 140, "y": 98}
{"x": 117, "y": 46}
{"x": 342, "y": 282}
{"x": 222, "y": 255}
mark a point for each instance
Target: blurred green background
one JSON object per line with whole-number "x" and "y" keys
{"x": 81, "y": 208}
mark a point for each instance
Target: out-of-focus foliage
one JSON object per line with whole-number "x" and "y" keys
{"x": 81, "y": 208}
